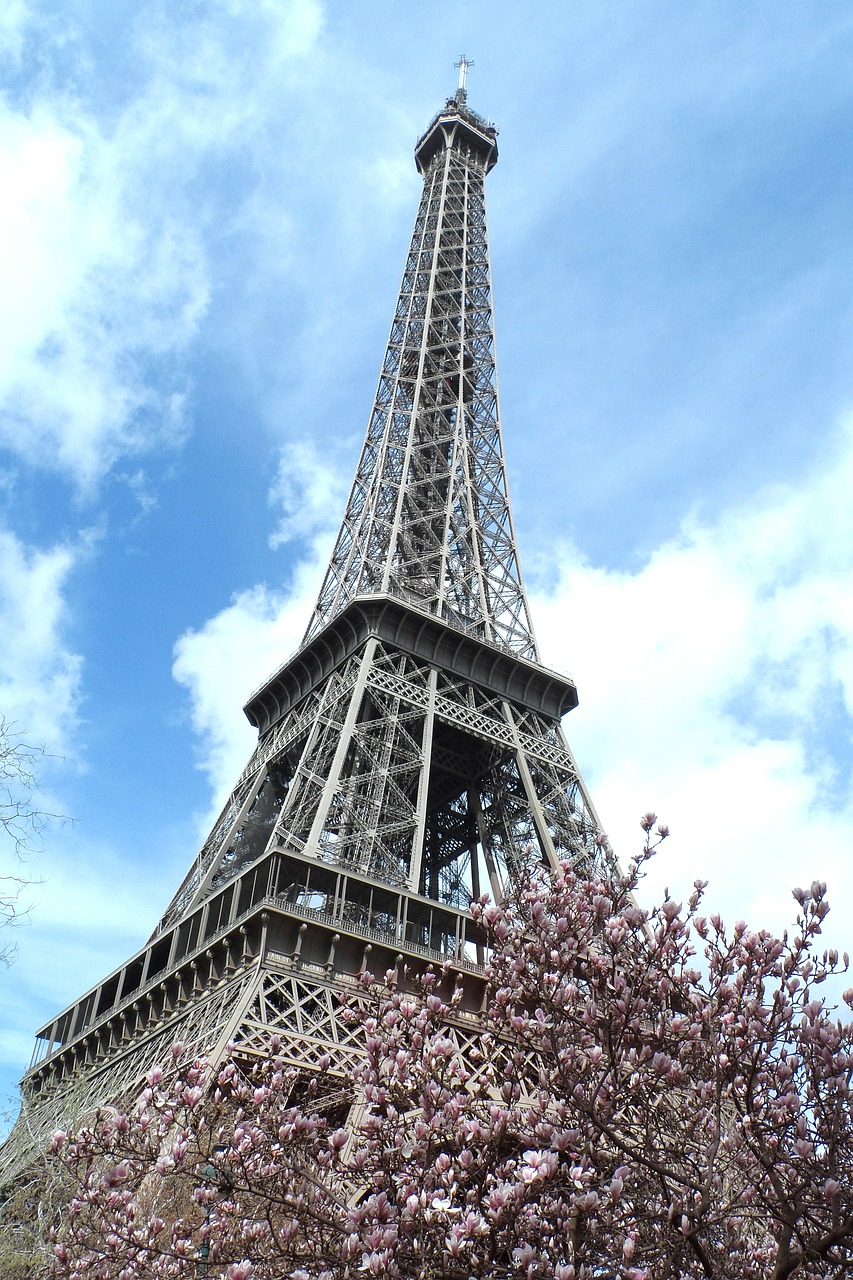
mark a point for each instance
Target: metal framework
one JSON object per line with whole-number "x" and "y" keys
{"x": 410, "y": 756}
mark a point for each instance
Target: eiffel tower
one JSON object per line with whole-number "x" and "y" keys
{"x": 410, "y": 755}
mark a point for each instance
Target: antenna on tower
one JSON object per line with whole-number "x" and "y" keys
{"x": 463, "y": 64}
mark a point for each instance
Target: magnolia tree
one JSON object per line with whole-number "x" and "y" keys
{"x": 648, "y": 1095}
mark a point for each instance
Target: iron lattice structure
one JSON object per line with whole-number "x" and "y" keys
{"x": 410, "y": 756}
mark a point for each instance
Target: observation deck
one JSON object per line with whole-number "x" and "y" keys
{"x": 458, "y": 126}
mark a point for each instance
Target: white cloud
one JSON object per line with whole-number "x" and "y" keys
{"x": 296, "y": 26}
{"x": 13, "y": 17}
{"x": 716, "y": 684}
{"x": 95, "y": 292}
{"x": 104, "y": 246}
{"x": 39, "y": 675}
{"x": 311, "y": 494}
{"x": 222, "y": 662}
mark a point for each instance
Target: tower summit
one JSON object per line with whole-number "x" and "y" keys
{"x": 410, "y": 755}
{"x": 462, "y": 88}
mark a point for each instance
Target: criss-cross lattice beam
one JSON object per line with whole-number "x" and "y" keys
{"x": 428, "y": 518}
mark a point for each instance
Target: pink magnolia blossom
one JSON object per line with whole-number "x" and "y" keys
{"x": 626, "y": 1108}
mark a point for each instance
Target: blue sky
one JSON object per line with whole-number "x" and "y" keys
{"x": 204, "y": 219}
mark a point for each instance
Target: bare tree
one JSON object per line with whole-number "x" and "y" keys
{"x": 23, "y": 821}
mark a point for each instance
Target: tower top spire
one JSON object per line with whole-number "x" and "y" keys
{"x": 463, "y": 64}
